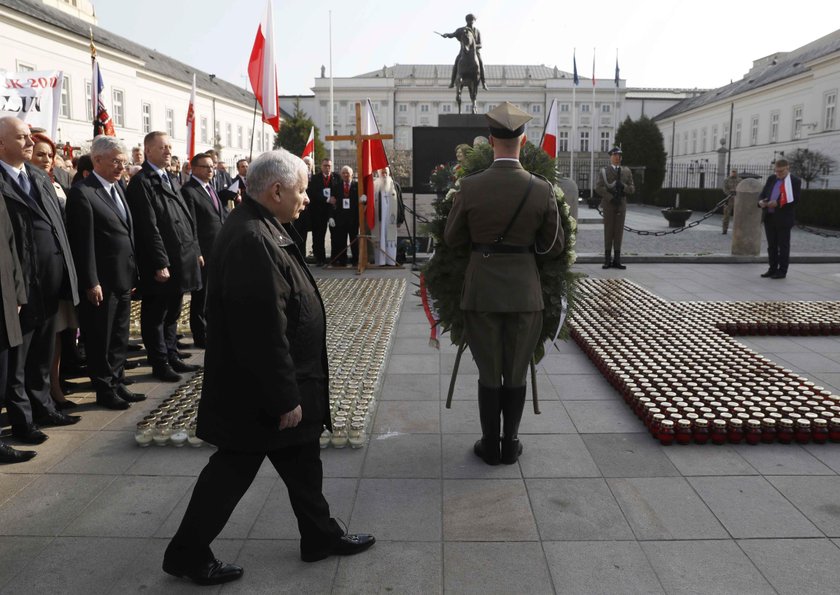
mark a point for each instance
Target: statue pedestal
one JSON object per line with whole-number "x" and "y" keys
{"x": 463, "y": 121}
{"x": 746, "y": 226}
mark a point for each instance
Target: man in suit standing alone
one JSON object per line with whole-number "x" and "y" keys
{"x": 102, "y": 239}
{"x": 506, "y": 215}
{"x": 49, "y": 273}
{"x": 168, "y": 256}
{"x": 778, "y": 199}
{"x": 322, "y": 190}
{"x": 209, "y": 214}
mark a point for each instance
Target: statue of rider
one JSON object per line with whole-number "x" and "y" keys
{"x": 458, "y": 34}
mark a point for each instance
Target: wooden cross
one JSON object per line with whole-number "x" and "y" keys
{"x": 684, "y": 351}
{"x": 364, "y": 233}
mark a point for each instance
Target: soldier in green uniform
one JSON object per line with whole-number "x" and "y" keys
{"x": 613, "y": 184}
{"x": 730, "y": 185}
{"x": 506, "y": 215}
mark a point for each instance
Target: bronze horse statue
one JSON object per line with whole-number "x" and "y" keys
{"x": 468, "y": 69}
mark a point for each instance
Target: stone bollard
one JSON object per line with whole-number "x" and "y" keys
{"x": 570, "y": 190}
{"x": 746, "y": 228}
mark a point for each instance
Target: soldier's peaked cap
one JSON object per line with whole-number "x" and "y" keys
{"x": 615, "y": 151}
{"x": 506, "y": 120}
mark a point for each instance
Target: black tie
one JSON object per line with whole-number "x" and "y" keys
{"x": 26, "y": 185}
{"x": 118, "y": 204}
{"x": 165, "y": 177}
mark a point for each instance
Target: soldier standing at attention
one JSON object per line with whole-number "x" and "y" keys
{"x": 729, "y": 186}
{"x": 613, "y": 185}
{"x": 506, "y": 215}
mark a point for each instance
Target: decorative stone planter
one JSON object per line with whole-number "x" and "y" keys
{"x": 676, "y": 217}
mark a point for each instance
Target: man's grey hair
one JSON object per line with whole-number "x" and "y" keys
{"x": 272, "y": 167}
{"x": 348, "y": 168}
{"x": 103, "y": 145}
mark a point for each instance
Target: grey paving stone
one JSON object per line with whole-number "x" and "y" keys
{"x": 16, "y": 553}
{"x": 665, "y": 508}
{"x": 582, "y": 387}
{"x": 629, "y": 455}
{"x": 275, "y": 566}
{"x": 466, "y": 387}
{"x": 130, "y": 507}
{"x": 411, "y": 387}
{"x": 796, "y": 565}
{"x": 168, "y": 460}
{"x": 487, "y": 510}
{"x": 576, "y": 509}
{"x": 398, "y": 509}
{"x": 484, "y": 568}
{"x": 600, "y": 567}
{"x": 50, "y": 503}
{"x": 815, "y": 497}
{"x": 814, "y": 363}
{"x": 428, "y": 363}
{"x": 461, "y": 418}
{"x": 466, "y": 366}
{"x": 553, "y": 419}
{"x": 337, "y": 462}
{"x": 460, "y": 462}
{"x": 601, "y": 417}
{"x": 392, "y": 567}
{"x": 60, "y": 444}
{"x": 403, "y": 455}
{"x": 242, "y": 519}
{"x": 276, "y": 520}
{"x": 12, "y": 483}
{"x": 415, "y": 417}
{"x": 568, "y": 363}
{"x": 751, "y": 507}
{"x": 556, "y": 455}
{"x": 416, "y": 330}
{"x": 828, "y": 454}
{"x": 713, "y": 567}
{"x": 106, "y": 453}
{"x": 696, "y": 459}
{"x": 782, "y": 459}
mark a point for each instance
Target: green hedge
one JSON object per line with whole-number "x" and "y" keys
{"x": 820, "y": 208}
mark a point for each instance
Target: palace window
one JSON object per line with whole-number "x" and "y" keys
{"x": 147, "y": 118}
{"x": 64, "y": 111}
{"x": 119, "y": 107}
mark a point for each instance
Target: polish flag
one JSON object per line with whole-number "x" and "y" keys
{"x": 309, "y": 149}
{"x": 373, "y": 159}
{"x": 262, "y": 71}
{"x": 549, "y": 137}
{"x": 191, "y": 123}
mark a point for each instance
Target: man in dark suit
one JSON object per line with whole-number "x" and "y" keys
{"x": 506, "y": 215}
{"x": 168, "y": 256}
{"x": 209, "y": 214}
{"x": 49, "y": 273}
{"x": 102, "y": 239}
{"x": 267, "y": 384}
{"x": 300, "y": 227}
{"x": 13, "y": 294}
{"x": 777, "y": 201}
{"x": 241, "y": 177}
{"x": 322, "y": 190}
{"x": 344, "y": 212}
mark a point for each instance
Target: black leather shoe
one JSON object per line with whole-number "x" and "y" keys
{"x": 65, "y": 404}
{"x": 127, "y": 381}
{"x": 59, "y": 418}
{"x": 184, "y": 355}
{"x": 200, "y": 343}
{"x": 110, "y": 400}
{"x": 617, "y": 265}
{"x": 166, "y": 373}
{"x": 29, "y": 434}
{"x": 131, "y": 364}
{"x": 210, "y": 573}
{"x": 769, "y": 273}
{"x": 181, "y": 345}
{"x": 127, "y": 395}
{"x": 778, "y": 275}
{"x": 181, "y": 367}
{"x": 348, "y": 545}
{"x": 11, "y": 455}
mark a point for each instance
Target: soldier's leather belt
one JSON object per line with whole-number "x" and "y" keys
{"x": 501, "y": 249}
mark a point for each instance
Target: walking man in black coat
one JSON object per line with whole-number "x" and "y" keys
{"x": 168, "y": 256}
{"x": 102, "y": 239}
{"x": 265, "y": 392}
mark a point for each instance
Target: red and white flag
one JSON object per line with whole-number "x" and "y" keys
{"x": 191, "y": 123}
{"x": 309, "y": 149}
{"x": 102, "y": 123}
{"x": 549, "y": 137}
{"x": 373, "y": 159}
{"x": 262, "y": 71}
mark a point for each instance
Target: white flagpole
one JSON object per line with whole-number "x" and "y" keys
{"x": 573, "y": 140}
{"x": 332, "y": 98}
{"x": 615, "y": 99}
{"x": 592, "y": 134}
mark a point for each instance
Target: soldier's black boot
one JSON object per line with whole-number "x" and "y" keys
{"x": 489, "y": 409}
{"x": 616, "y": 263}
{"x": 607, "y": 260}
{"x": 513, "y": 402}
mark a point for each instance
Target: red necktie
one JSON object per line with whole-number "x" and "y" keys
{"x": 346, "y": 189}
{"x": 782, "y": 195}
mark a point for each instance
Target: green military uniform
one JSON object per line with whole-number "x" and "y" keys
{"x": 730, "y": 184}
{"x": 614, "y": 207}
{"x": 502, "y": 297}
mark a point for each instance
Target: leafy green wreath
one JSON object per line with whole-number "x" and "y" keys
{"x": 445, "y": 272}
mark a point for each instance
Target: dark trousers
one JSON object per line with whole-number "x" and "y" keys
{"x": 106, "y": 336}
{"x": 224, "y": 481}
{"x": 159, "y": 326}
{"x": 4, "y": 375}
{"x": 198, "y": 303}
{"x": 778, "y": 243}
{"x": 318, "y": 221}
{"x": 614, "y": 215}
{"x": 28, "y": 386}
{"x": 339, "y": 237}
{"x": 502, "y": 345}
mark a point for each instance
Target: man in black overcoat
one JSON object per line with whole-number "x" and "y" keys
{"x": 344, "y": 213}
{"x": 778, "y": 201}
{"x": 265, "y": 390}
{"x": 101, "y": 234}
{"x": 322, "y": 190}
{"x": 168, "y": 256}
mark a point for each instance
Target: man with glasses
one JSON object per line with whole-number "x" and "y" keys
{"x": 777, "y": 201}
{"x": 101, "y": 234}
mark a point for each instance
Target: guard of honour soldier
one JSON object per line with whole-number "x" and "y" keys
{"x": 613, "y": 184}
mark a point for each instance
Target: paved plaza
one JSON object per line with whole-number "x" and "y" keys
{"x": 594, "y": 505}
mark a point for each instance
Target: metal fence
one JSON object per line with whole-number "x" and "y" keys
{"x": 706, "y": 175}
